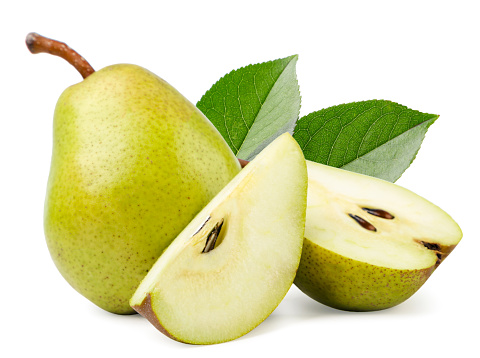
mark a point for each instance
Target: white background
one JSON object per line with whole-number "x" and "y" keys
{"x": 422, "y": 54}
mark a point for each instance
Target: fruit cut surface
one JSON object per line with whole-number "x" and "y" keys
{"x": 408, "y": 229}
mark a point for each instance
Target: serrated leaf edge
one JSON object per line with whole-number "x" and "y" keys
{"x": 231, "y": 73}
{"x": 434, "y": 117}
{"x": 293, "y": 60}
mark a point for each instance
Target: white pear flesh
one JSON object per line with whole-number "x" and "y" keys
{"x": 358, "y": 260}
{"x": 216, "y": 296}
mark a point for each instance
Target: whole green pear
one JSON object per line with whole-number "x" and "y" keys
{"x": 133, "y": 162}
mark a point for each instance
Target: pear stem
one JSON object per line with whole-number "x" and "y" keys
{"x": 37, "y": 44}
{"x": 243, "y": 163}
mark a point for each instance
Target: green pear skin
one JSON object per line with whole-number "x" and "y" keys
{"x": 347, "y": 284}
{"x": 133, "y": 162}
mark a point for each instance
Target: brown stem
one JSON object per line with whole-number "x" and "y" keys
{"x": 243, "y": 163}
{"x": 37, "y": 44}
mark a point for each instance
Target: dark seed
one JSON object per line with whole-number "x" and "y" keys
{"x": 363, "y": 223}
{"x": 212, "y": 237}
{"x": 380, "y": 213}
{"x": 430, "y": 246}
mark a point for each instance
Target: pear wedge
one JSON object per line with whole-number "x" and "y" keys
{"x": 369, "y": 244}
{"x": 234, "y": 263}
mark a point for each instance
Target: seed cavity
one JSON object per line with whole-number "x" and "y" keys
{"x": 363, "y": 223}
{"x": 380, "y": 213}
{"x": 202, "y": 226}
{"x": 212, "y": 237}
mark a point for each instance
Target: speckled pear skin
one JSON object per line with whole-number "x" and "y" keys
{"x": 133, "y": 162}
{"x": 351, "y": 285}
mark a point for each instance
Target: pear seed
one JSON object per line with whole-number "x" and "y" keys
{"x": 212, "y": 237}
{"x": 380, "y": 213}
{"x": 430, "y": 246}
{"x": 363, "y": 223}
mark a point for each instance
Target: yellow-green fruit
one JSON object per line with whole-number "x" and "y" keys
{"x": 133, "y": 162}
{"x": 369, "y": 244}
{"x": 340, "y": 282}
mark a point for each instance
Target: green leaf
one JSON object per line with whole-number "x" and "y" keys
{"x": 377, "y": 138}
{"x": 253, "y": 105}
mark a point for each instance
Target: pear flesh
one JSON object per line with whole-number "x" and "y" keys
{"x": 369, "y": 244}
{"x": 133, "y": 162}
{"x": 234, "y": 263}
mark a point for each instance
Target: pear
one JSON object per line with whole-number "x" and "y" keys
{"x": 369, "y": 244}
{"x": 234, "y": 263}
{"x": 133, "y": 162}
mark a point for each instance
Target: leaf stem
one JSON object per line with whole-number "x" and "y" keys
{"x": 37, "y": 44}
{"x": 242, "y": 162}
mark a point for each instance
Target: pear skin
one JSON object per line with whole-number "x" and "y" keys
{"x": 133, "y": 162}
{"x": 347, "y": 284}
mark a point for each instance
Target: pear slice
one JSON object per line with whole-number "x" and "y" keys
{"x": 234, "y": 263}
{"x": 369, "y": 244}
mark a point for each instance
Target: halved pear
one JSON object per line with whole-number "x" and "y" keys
{"x": 234, "y": 263}
{"x": 369, "y": 244}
